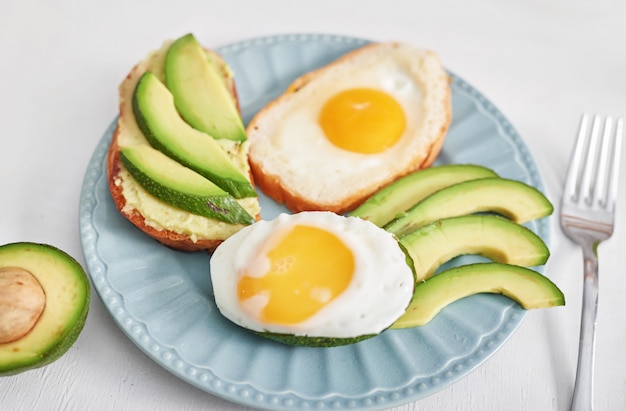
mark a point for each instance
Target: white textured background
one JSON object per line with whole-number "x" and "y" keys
{"x": 542, "y": 62}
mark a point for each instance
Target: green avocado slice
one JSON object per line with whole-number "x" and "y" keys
{"x": 491, "y": 236}
{"x": 313, "y": 342}
{"x": 510, "y": 198}
{"x": 527, "y": 287}
{"x": 66, "y": 291}
{"x": 200, "y": 94}
{"x": 156, "y": 115}
{"x": 181, "y": 187}
{"x": 402, "y": 194}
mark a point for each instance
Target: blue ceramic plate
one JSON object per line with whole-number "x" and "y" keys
{"x": 162, "y": 299}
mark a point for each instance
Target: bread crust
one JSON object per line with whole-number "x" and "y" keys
{"x": 273, "y": 184}
{"x": 169, "y": 238}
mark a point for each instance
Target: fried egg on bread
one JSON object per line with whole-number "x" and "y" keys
{"x": 340, "y": 133}
{"x": 312, "y": 275}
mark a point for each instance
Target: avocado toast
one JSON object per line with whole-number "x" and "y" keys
{"x": 144, "y": 197}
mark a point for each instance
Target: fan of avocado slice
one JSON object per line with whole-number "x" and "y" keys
{"x": 183, "y": 165}
{"x": 439, "y": 214}
{"x": 44, "y": 301}
{"x": 161, "y": 124}
{"x": 514, "y": 199}
{"x": 394, "y": 199}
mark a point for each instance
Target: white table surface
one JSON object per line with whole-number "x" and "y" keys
{"x": 541, "y": 62}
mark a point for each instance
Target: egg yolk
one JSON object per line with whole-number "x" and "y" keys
{"x": 309, "y": 267}
{"x": 362, "y": 120}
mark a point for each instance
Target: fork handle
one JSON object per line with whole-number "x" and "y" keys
{"x": 583, "y": 388}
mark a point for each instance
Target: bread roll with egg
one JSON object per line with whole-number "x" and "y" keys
{"x": 312, "y": 278}
{"x": 169, "y": 225}
{"x": 341, "y": 132}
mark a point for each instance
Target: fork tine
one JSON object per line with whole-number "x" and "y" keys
{"x": 595, "y": 143}
{"x": 615, "y": 164}
{"x": 589, "y": 167}
{"x": 601, "y": 184}
{"x": 573, "y": 172}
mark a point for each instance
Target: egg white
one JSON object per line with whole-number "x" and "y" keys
{"x": 379, "y": 293}
{"x": 301, "y": 135}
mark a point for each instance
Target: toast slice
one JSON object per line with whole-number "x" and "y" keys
{"x": 171, "y": 226}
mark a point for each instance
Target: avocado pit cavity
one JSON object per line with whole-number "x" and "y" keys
{"x": 22, "y": 301}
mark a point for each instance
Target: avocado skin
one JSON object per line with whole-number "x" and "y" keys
{"x": 397, "y": 197}
{"x": 221, "y": 207}
{"x": 312, "y": 342}
{"x": 66, "y": 340}
{"x": 527, "y": 287}
{"x": 513, "y": 199}
{"x": 219, "y": 117}
{"x": 237, "y": 185}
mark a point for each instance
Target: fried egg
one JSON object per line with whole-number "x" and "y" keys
{"x": 354, "y": 125}
{"x": 315, "y": 274}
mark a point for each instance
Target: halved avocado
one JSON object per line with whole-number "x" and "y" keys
{"x": 44, "y": 301}
{"x": 156, "y": 115}
{"x": 491, "y": 236}
{"x": 181, "y": 187}
{"x": 200, "y": 94}
{"x": 513, "y": 199}
{"x": 527, "y": 287}
{"x": 402, "y": 194}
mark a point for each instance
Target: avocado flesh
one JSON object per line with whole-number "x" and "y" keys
{"x": 494, "y": 237}
{"x": 181, "y": 187}
{"x": 67, "y": 293}
{"x": 510, "y": 198}
{"x": 199, "y": 91}
{"x": 165, "y": 130}
{"x": 391, "y": 201}
{"x": 527, "y": 287}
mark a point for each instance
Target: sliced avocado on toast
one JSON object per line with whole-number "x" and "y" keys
{"x": 156, "y": 116}
{"x": 180, "y": 186}
{"x": 199, "y": 91}
{"x": 44, "y": 301}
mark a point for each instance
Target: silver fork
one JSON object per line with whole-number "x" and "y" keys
{"x": 587, "y": 218}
